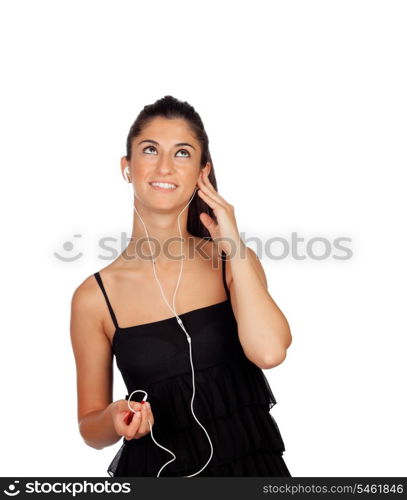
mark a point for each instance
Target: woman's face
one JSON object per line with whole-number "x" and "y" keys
{"x": 165, "y": 151}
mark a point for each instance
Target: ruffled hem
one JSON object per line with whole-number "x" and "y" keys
{"x": 219, "y": 391}
{"x": 257, "y": 463}
{"x": 233, "y": 437}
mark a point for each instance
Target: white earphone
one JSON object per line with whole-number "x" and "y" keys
{"x": 127, "y": 176}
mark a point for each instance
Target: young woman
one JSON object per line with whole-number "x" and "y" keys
{"x": 235, "y": 327}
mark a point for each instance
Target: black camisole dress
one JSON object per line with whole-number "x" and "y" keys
{"x": 232, "y": 399}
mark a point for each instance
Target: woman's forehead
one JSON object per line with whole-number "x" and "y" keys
{"x": 168, "y": 133}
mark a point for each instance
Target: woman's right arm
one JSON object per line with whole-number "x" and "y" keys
{"x": 94, "y": 368}
{"x": 101, "y": 421}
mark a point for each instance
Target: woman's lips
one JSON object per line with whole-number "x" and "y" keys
{"x": 163, "y": 190}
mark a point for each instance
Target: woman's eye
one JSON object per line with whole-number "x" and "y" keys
{"x": 185, "y": 151}
{"x": 181, "y": 150}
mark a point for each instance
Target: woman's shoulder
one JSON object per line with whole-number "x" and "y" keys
{"x": 83, "y": 296}
{"x": 86, "y": 294}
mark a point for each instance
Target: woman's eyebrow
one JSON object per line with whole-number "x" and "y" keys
{"x": 178, "y": 143}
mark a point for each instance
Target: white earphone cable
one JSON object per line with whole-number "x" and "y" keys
{"x": 183, "y": 328}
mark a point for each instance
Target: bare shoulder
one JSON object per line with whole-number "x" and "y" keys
{"x": 85, "y": 298}
{"x": 87, "y": 308}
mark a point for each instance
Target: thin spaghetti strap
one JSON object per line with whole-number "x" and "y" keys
{"x": 99, "y": 280}
{"x": 224, "y": 274}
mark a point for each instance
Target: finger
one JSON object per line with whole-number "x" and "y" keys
{"x": 206, "y": 183}
{"x": 122, "y": 417}
{"x": 208, "y": 199}
{"x": 128, "y": 417}
{"x": 135, "y": 406}
{"x": 205, "y": 179}
{"x": 213, "y": 195}
{"x": 132, "y": 428}
{"x": 203, "y": 183}
{"x": 121, "y": 409}
{"x": 150, "y": 416}
{"x": 144, "y": 427}
{"x": 122, "y": 424}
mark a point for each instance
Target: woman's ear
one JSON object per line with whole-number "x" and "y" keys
{"x": 125, "y": 168}
{"x": 207, "y": 168}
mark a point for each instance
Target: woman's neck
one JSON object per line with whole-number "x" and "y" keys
{"x": 163, "y": 242}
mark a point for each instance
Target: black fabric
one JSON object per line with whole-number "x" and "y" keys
{"x": 112, "y": 314}
{"x": 232, "y": 399}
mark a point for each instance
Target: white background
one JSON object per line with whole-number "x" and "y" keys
{"x": 304, "y": 103}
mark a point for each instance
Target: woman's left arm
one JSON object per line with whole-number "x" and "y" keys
{"x": 263, "y": 330}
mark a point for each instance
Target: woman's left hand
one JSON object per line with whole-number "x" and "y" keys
{"x": 225, "y": 233}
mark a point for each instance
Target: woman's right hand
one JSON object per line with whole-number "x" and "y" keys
{"x": 128, "y": 424}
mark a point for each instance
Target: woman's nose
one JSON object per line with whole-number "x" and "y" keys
{"x": 164, "y": 166}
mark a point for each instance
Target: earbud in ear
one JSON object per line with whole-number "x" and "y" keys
{"x": 127, "y": 174}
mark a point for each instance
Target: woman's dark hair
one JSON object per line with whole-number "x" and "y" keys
{"x": 170, "y": 107}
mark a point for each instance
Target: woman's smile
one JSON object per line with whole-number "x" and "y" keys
{"x": 163, "y": 186}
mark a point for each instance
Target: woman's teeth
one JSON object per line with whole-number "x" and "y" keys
{"x": 163, "y": 185}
